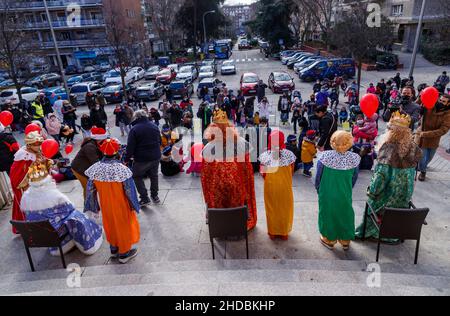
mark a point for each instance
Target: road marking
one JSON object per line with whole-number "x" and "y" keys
{"x": 237, "y": 60}
{"x": 249, "y": 60}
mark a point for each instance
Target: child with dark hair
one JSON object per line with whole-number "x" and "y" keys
{"x": 309, "y": 151}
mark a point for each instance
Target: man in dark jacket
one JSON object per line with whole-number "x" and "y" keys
{"x": 144, "y": 147}
{"x": 176, "y": 115}
{"x": 88, "y": 155}
{"x": 327, "y": 127}
{"x": 261, "y": 90}
{"x": 8, "y": 147}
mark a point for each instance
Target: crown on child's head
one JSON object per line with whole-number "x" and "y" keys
{"x": 400, "y": 120}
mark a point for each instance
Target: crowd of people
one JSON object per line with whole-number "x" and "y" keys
{"x": 113, "y": 175}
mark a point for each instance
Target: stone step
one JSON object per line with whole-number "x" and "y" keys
{"x": 245, "y": 289}
{"x": 113, "y": 268}
{"x": 312, "y": 277}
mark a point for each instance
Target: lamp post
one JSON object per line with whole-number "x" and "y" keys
{"x": 418, "y": 34}
{"x": 204, "y": 28}
{"x": 58, "y": 55}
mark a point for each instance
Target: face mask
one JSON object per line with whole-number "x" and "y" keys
{"x": 406, "y": 99}
{"x": 360, "y": 122}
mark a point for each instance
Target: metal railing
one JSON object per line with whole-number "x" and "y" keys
{"x": 53, "y": 4}
{"x": 5, "y": 190}
{"x": 75, "y": 43}
{"x": 63, "y": 24}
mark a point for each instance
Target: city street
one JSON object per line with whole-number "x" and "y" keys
{"x": 175, "y": 252}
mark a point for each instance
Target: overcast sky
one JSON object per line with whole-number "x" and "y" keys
{"x": 232, "y": 2}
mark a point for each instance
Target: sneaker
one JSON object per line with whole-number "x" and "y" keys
{"x": 156, "y": 200}
{"x": 123, "y": 259}
{"x": 114, "y": 252}
{"x": 307, "y": 174}
{"x": 326, "y": 245}
{"x": 144, "y": 202}
{"x": 422, "y": 176}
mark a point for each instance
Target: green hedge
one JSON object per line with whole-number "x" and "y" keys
{"x": 437, "y": 53}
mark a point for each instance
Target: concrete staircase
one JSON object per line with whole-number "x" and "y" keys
{"x": 234, "y": 277}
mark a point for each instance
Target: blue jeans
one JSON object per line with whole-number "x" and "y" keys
{"x": 428, "y": 155}
{"x": 307, "y": 166}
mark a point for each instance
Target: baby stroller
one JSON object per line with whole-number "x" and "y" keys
{"x": 297, "y": 94}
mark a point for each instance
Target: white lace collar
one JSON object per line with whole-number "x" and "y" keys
{"x": 334, "y": 160}
{"x": 286, "y": 158}
{"x": 109, "y": 171}
{"x": 24, "y": 155}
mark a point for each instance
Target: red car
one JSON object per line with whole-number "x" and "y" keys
{"x": 280, "y": 82}
{"x": 166, "y": 76}
{"x": 249, "y": 81}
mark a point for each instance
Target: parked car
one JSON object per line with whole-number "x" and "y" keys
{"x": 228, "y": 68}
{"x": 114, "y": 93}
{"x": 104, "y": 67}
{"x": 150, "y": 91}
{"x": 4, "y": 74}
{"x": 299, "y": 59}
{"x": 187, "y": 73}
{"x": 209, "y": 62}
{"x": 94, "y": 76}
{"x": 53, "y": 93}
{"x": 306, "y": 62}
{"x": 280, "y": 82}
{"x": 182, "y": 88}
{"x": 81, "y": 89}
{"x": 45, "y": 81}
{"x": 166, "y": 76}
{"x": 249, "y": 81}
{"x": 210, "y": 83}
{"x": 89, "y": 68}
{"x": 206, "y": 72}
{"x": 71, "y": 70}
{"x": 134, "y": 74}
{"x": 152, "y": 73}
{"x": 244, "y": 44}
{"x": 28, "y": 94}
{"x": 330, "y": 69}
{"x": 77, "y": 79}
{"x": 285, "y": 60}
{"x": 6, "y": 84}
{"x": 174, "y": 67}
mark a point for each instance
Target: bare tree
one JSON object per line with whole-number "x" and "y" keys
{"x": 301, "y": 22}
{"x": 125, "y": 41}
{"x": 16, "y": 45}
{"x": 321, "y": 11}
{"x": 355, "y": 37}
{"x": 163, "y": 19}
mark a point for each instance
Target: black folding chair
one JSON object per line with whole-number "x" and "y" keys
{"x": 225, "y": 223}
{"x": 403, "y": 224}
{"x": 39, "y": 235}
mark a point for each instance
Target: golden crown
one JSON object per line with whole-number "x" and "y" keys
{"x": 400, "y": 120}
{"x": 220, "y": 117}
{"x": 38, "y": 171}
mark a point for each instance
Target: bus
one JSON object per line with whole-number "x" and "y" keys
{"x": 223, "y": 49}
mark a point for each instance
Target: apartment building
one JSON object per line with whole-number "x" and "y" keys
{"x": 238, "y": 14}
{"x": 80, "y": 26}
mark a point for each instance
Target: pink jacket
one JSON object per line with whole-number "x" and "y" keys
{"x": 53, "y": 125}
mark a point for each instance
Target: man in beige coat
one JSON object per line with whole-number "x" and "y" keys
{"x": 435, "y": 124}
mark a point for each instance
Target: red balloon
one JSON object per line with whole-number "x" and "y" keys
{"x": 50, "y": 148}
{"x": 429, "y": 97}
{"x": 69, "y": 149}
{"x": 369, "y": 104}
{"x": 6, "y": 118}
{"x": 32, "y": 128}
{"x": 196, "y": 152}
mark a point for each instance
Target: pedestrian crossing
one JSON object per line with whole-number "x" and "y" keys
{"x": 250, "y": 60}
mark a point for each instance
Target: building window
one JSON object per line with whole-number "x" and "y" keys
{"x": 397, "y": 10}
{"x": 131, "y": 13}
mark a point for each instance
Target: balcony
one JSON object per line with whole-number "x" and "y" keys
{"x": 63, "y": 24}
{"x": 53, "y": 4}
{"x": 95, "y": 42}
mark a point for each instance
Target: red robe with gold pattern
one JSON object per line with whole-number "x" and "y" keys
{"x": 18, "y": 175}
{"x": 230, "y": 185}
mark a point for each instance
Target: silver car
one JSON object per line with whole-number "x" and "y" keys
{"x": 206, "y": 72}
{"x": 228, "y": 68}
{"x": 187, "y": 73}
{"x": 152, "y": 73}
{"x": 150, "y": 91}
{"x": 80, "y": 90}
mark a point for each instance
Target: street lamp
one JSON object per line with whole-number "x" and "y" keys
{"x": 58, "y": 55}
{"x": 418, "y": 34}
{"x": 204, "y": 28}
